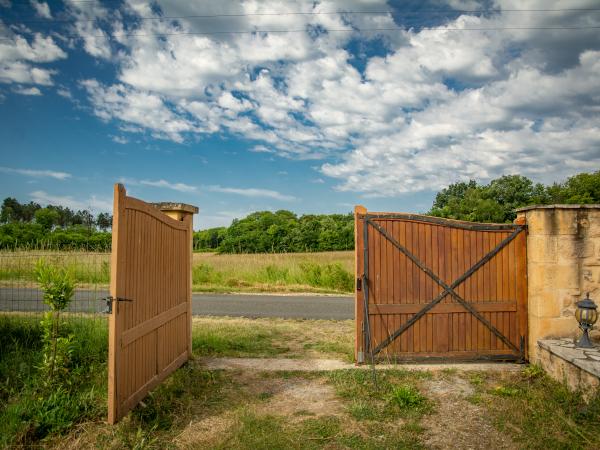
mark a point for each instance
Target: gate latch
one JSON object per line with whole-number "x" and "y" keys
{"x": 109, "y": 302}
{"x": 359, "y": 284}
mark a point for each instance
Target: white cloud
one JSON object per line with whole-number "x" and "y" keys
{"x": 41, "y": 9}
{"x": 92, "y": 203}
{"x": 19, "y": 58}
{"x": 252, "y": 192}
{"x": 181, "y": 187}
{"x": 27, "y": 91}
{"x": 138, "y": 108}
{"x": 120, "y": 140}
{"x": 37, "y": 173}
{"x": 436, "y": 104}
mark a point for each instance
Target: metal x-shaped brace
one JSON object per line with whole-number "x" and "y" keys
{"x": 448, "y": 289}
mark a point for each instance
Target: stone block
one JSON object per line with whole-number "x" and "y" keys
{"x": 571, "y": 366}
{"x": 564, "y": 276}
{"x": 542, "y": 249}
{"x": 550, "y": 328}
{"x": 540, "y": 276}
{"x": 544, "y": 304}
{"x": 568, "y": 299}
{"x": 553, "y": 221}
{"x": 570, "y": 248}
{"x": 593, "y": 230}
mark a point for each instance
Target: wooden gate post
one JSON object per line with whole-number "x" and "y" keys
{"x": 184, "y": 213}
{"x": 359, "y": 348}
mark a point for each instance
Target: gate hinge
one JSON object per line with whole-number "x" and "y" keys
{"x": 109, "y": 302}
{"x": 359, "y": 284}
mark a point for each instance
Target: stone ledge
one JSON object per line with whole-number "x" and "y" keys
{"x": 575, "y": 206}
{"x": 178, "y": 207}
{"x": 586, "y": 359}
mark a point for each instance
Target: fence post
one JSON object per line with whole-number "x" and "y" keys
{"x": 184, "y": 213}
{"x": 359, "y": 350}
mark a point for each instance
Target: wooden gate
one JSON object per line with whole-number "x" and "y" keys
{"x": 150, "y": 325}
{"x": 430, "y": 288}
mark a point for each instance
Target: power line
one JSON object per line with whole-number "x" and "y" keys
{"x": 222, "y": 32}
{"x": 313, "y": 13}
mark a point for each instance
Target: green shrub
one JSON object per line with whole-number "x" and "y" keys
{"x": 276, "y": 275}
{"x": 331, "y": 276}
{"x": 406, "y": 397}
{"x": 58, "y": 287}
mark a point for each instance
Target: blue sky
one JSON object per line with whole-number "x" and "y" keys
{"x": 372, "y": 103}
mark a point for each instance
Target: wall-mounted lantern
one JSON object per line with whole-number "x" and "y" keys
{"x": 586, "y": 314}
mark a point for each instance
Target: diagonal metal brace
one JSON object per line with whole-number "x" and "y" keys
{"x": 447, "y": 289}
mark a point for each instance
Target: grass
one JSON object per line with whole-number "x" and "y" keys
{"x": 393, "y": 394}
{"x": 539, "y": 412}
{"x": 199, "y": 408}
{"x": 263, "y": 338}
{"x": 28, "y": 412}
{"x": 327, "y": 272}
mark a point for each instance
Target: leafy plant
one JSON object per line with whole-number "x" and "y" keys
{"x": 58, "y": 287}
{"x": 406, "y": 397}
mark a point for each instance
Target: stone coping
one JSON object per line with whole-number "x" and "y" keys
{"x": 172, "y": 206}
{"x": 529, "y": 208}
{"x": 587, "y": 359}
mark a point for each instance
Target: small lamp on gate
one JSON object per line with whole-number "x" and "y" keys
{"x": 586, "y": 314}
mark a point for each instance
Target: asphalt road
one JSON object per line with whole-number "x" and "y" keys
{"x": 283, "y": 306}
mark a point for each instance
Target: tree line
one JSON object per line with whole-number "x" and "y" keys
{"x": 497, "y": 200}
{"x": 29, "y": 225}
{"x": 283, "y": 231}
{"x": 280, "y": 232}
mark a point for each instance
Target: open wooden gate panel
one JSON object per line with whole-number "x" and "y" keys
{"x": 437, "y": 288}
{"x": 150, "y": 324}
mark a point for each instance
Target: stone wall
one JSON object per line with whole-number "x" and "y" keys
{"x": 563, "y": 263}
{"x": 578, "y": 368}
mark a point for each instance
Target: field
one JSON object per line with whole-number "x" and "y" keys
{"x": 327, "y": 272}
{"x": 201, "y": 408}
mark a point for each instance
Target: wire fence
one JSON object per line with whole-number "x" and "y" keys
{"x": 20, "y": 293}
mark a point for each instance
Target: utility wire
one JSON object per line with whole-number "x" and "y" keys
{"x": 347, "y": 30}
{"x": 317, "y": 13}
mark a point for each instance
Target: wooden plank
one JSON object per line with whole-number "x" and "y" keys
{"x": 440, "y": 308}
{"x": 521, "y": 259}
{"x": 116, "y": 285}
{"x": 410, "y": 288}
{"x": 448, "y": 223}
{"x": 139, "y": 205}
{"x": 155, "y": 322}
{"x": 453, "y": 318}
{"x": 140, "y": 393}
{"x": 188, "y": 271}
{"x": 417, "y": 287}
{"x": 358, "y": 272}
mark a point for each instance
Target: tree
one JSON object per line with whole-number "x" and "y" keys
{"x": 581, "y": 188}
{"x": 47, "y": 218}
{"x": 104, "y": 221}
{"x": 11, "y": 210}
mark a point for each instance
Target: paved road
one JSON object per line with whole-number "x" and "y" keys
{"x": 284, "y": 306}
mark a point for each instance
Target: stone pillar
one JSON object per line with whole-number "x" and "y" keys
{"x": 563, "y": 263}
{"x": 177, "y": 211}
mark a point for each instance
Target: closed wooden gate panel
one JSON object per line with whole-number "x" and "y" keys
{"x": 150, "y": 323}
{"x": 436, "y": 288}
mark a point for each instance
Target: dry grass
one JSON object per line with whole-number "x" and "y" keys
{"x": 326, "y": 272}
{"x": 274, "y": 272}
{"x": 250, "y": 262}
{"x": 240, "y": 337}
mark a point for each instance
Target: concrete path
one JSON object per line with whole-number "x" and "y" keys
{"x": 238, "y": 305}
{"x": 317, "y": 365}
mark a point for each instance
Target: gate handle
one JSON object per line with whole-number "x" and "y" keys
{"x": 109, "y": 302}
